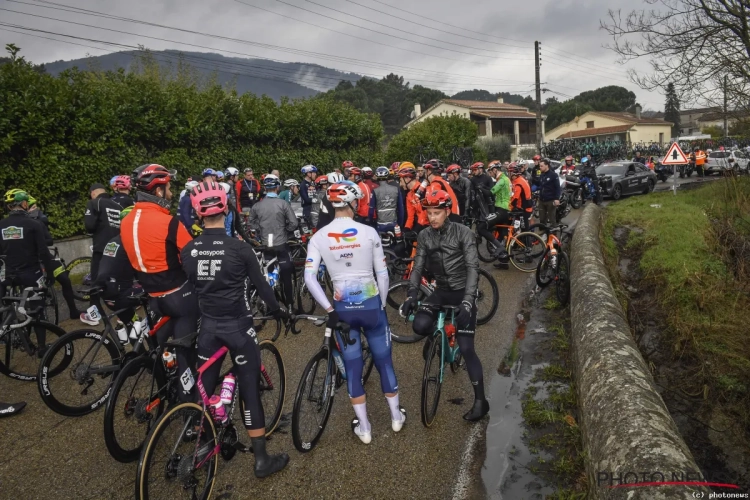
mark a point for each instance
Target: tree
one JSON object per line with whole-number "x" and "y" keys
{"x": 672, "y": 110}
{"x": 442, "y": 133}
{"x": 492, "y": 148}
{"x": 691, "y": 44}
{"x": 610, "y": 98}
{"x": 714, "y": 131}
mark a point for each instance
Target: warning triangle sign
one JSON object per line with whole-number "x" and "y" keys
{"x": 674, "y": 156}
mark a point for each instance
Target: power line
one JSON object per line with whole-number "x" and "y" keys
{"x": 584, "y": 63}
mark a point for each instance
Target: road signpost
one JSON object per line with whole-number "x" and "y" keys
{"x": 674, "y": 157}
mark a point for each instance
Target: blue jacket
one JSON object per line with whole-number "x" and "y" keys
{"x": 186, "y": 214}
{"x": 549, "y": 186}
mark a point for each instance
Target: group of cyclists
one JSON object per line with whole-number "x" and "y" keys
{"x": 197, "y": 267}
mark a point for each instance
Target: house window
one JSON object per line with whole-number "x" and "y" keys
{"x": 589, "y": 124}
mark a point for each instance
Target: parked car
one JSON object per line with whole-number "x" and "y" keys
{"x": 618, "y": 178}
{"x": 723, "y": 161}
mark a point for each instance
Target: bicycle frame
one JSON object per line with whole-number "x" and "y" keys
{"x": 447, "y": 353}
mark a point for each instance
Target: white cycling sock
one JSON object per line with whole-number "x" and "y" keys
{"x": 395, "y": 410}
{"x": 361, "y": 411}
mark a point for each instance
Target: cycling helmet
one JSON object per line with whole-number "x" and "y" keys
{"x": 536, "y": 158}
{"x": 112, "y": 180}
{"x": 32, "y": 200}
{"x": 321, "y": 181}
{"x": 125, "y": 211}
{"x": 150, "y": 176}
{"x": 271, "y": 181}
{"x": 208, "y": 198}
{"x": 407, "y": 172}
{"x": 355, "y": 172}
{"x": 226, "y": 187}
{"x": 477, "y": 165}
{"x": 335, "y": 177}
{"x": 121, "y": 182}
{"x": 219, "y": 175}
{"x": 16, "y": 195}
{"x": 584, "y": 159}
{"x": 347, "y": 164}
{"x": 382, "y": 173}
{"x": 189, "y": 185}
{"x": 367, "y": 173}
{"x": 569, "y": 158}
{"x": 453, "y": 169}
{"x": 435, "y": 165}
{"x": 494, "y": 164}
{"x": 437, "y": 199}
{"x": 208, "y": 171}
{"x": 395, "y": 166}
{"x": 343, "y": 193}
{"x": 514, "y": 169}
{"x": 308, "y": 169}
{"x": 291, "y": 182}
{"x": 406, "y": 164}
{"x": 231, "y": 171}
{"x": 695, "y": 150}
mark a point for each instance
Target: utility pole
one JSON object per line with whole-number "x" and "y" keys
{"x": 726, "y": 129}
{"x": 539, "y": 100}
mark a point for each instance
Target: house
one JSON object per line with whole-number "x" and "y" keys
{"x": 516, "y": 123}
{"x": 716, "y": 119}
{"x": 690, "y": 123}
{"x": 598, "y": 126}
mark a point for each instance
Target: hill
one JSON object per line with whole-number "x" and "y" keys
{"x": 259, "y": 76}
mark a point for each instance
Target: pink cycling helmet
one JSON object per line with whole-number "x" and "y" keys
{"x": 121, "y": 182}
{"x": 208, "y": 198}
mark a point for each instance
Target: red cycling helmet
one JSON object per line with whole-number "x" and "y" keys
{"x": 208, "y": 198}
{"x": 347, "y": 164}
{"x": 121, "y": 182}
{"x": 407, "y": 172}
{"x": 437, "y": 199}
{"x": 355, "y": 172}
{"x": 150, "y": 176}
{"x": 536, "y": 158}
{"x": 395, "y": 166}
{"x": 569, "y": 158}
{"x": 453, "y": 169}
{"x": 477, "y": 165}
{"x": 321, "y": 181}
{"x": 514, "y": 169}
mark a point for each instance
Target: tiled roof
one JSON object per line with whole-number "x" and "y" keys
{"x": 518, "y": 113}
{"x": 591, "y": 132}
{"x": 482, "y": 104}
{"x": 631, "y": 117}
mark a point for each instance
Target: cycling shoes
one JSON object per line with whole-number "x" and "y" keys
{"x": 480, "y": 409}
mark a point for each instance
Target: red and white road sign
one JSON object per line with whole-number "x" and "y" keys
{"x": 674, "y": 156}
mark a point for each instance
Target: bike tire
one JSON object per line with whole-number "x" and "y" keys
{"x": 273, "y": 388}
{"x": 401, "y": 330}
{"x": 19, "y": 364}
{"x": 78, "y": 269}
{"x": 305, "y": 301}
{"x": 311, "y": 375}
{"x": 182, "y": 415}
{"x": 458, "y": 362}
{"x": 51, "y": 306}
{"x": 431, "y": 378}
{"x": 542, "y": 275}
{"x": 369, "y": 361}
{"x": 485, "y": 314}
{"x": 563, "y": 279}
{"x": 55, "y": 387}
{"x": 525, "y": 255}
{"x": 486, "y": 251}
{"x": 576, "y": 200}
{"x": 122, "y": 402}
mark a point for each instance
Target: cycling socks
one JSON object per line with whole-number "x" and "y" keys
{"x": 361, "y": 411}
{"x": 395, "y": 409}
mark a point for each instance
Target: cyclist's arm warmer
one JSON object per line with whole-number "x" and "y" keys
{"x": 381, "y": 270}
{"x": 257, "y": 280}
{"x": 469, "y": 245}
{"x": 311, "y": 277}
{"x": 419, "y": 263}
{"x": 89, "y": 220}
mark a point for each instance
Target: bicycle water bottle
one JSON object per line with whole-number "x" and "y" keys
{"x": 340, "y": 364}
{"x": 227, "y": 389}
{"x": 169, "y": 360}
{"x": 450, "y": 331}
{"x": 397, "y": 231}
{"x": 217, "y": 409}
{"x": 321, "y": 271}
{"x": 553, "y": 258}
{"x": 273, "y": 276}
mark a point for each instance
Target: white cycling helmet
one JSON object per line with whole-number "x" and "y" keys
{"x": 225, "y": 186}
{"x": 291, "y": 182}
{"x": 232, "y": 171}
{"x": 335, "y": 177}
{"x": 343, "y": 193}
{"x": 189, "y": 185}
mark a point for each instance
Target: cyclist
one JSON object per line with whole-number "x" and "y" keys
{"x": 434, "y": 169}
{"x": 368, "y": 178}
{"x": 461, "y": 187}
{"x": 347, "y": 165}
{"x": 589, "y": 177}
{"x": 24, "y": 247}
{"x": 102, "y": 221}
{"x": 121, "y": 187}
{"x": 185, "y": 211}
{"x": 640, "y": 159}
{"x": 351, "y": 252}
{"x": 209, "y": 174}
{"x": 307, "y": 191}
{"x": 365, "y": 207}
{"x": 568, "y": 165}
{"x": 389, "y": 205}
{"x": 248, "y": 191}
{"x": 226, "y": 316}
{"x": 416, "y": 218}
{"x": 152, "y": 239}
{"x": 321, "y": 184}
{"x": 274, "y": 219}
{"x": 550, "y": 192}
{"x": 501, "y": 191}
{"x": 327, "y": 211}
{"x": 448, "y": 252}
{"x": 536, "y": 171}
{"x": 520, "y": 199}
{"x": 230, "y": 216}
{"x": 291, "y": 193}
{"x": 230, "y": 177}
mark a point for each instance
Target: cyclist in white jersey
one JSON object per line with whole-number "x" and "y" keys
{"x": 354, "y": 258}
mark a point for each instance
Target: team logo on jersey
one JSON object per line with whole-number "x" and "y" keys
{"x": 348, "y": 235}
{"x": 111, "y": 249}
{"x": 13, "y": 233}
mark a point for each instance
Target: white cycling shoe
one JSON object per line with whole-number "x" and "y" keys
{"x": 365, "y": 437}
{"x": 397, "y": 425}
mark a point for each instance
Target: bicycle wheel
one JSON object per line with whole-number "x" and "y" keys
{"x": 166, "y": 468}
{"x": 312, "y": 403}
{"x": 485, "y": 250}
{"x": 488, "y": 297}
{"x": 51, "y": 307}
{"x": 458, "y": 362}
{"x": 368, "y": 359}
{"x": 262, "y": 322}
{"x": 272, "y": 384}
{"x": 431, "y": 381}
{"x": 132, "y": 409}
{"x": 544, "y": 274}
{"x": 79, "y": 271}
{"x": 563, "y": 279}
{"x": 401, "y": 330}
{"x": 525, "y": 250}
{"x": 305, "y": 301}
{"x": 19, "y": 355}
{"x": 89, "y": 365}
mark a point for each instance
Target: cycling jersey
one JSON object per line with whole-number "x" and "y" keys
{"x": 415, "y": 214}
{"x": 521, "y": 198}
{"x": 351, "y": 251}
{"x": 102, "y": 219}
{"x": 389, "y": 204}
{"x": 152, "y": 239}
{"x": 326, "y": 214}
{"x": 115, "y": 266}
{"x": 365, "y": 208}
{"x": 186, "y": 214}
{"x": 438, "y": 183}
{"x": 123, "y": 200}
{"x": 23, "y": 244}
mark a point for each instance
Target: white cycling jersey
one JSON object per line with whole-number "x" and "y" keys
{"x": 354, "y": 258}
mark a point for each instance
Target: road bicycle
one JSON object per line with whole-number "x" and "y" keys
{"x": 443, "y": 349}
{"x": 180, "y": 455}
{"x": 324, "y": 373}
{"x": 87, "y": 362}
{"x": 524, "y": 252}
{"x": 555, "y": 265}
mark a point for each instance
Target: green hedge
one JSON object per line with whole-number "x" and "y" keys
{"x": 58, "y": 135}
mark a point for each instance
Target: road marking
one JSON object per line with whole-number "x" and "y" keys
{"x": 464, "y": 480}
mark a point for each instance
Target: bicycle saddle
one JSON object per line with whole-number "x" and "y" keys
{"x": 187, "y": 341}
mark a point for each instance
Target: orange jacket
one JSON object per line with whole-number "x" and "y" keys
{"x": 700, "y": 157}
{"x": 152, "y": 239}
{"x": 414, "y": 210}
{"x": 440, "y": 184}
{"x": 363, "y": 208}
{"x": 521, "y": 197}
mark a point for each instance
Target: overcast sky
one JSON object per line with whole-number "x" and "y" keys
{"x": 469, "y": 44}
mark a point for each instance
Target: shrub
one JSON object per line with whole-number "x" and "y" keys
{"x": 493, "y": 148}
{"x": 440, "y": 133}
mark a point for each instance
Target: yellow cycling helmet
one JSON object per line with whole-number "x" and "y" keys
{"x": 32, "y": 200}
{"x": 406, "y": 164}
{"x": 16, "y": 195}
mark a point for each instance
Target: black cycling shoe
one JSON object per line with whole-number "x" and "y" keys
{"x": 480, "y": 409}
{"x": 266, "y": 464}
